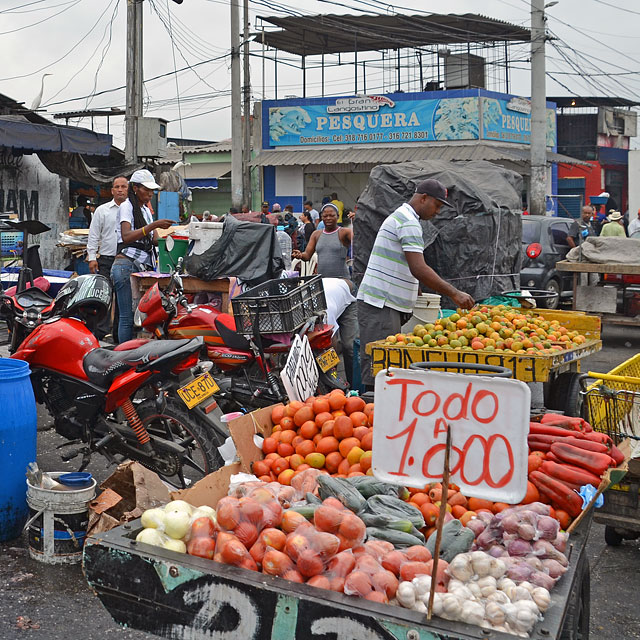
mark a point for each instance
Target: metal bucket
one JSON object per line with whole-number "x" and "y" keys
{"x": 57, "y": 527}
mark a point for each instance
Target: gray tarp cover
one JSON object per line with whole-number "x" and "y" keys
{"x": 601, "y": 250}
{"x": 245, "y": 250}
{"x": 475, "y": 244}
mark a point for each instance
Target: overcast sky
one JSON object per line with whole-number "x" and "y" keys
{"x": 83, "y": 44}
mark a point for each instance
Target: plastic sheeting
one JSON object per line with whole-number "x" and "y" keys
{"x": 607, "y": 250}
{"x": 245, "y": 250}
{"x": 475, "y": 244}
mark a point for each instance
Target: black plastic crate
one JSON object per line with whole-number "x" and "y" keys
{"x": 281, "y": 306}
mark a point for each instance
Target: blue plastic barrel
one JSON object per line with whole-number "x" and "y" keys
{"x": 18, "y": 431}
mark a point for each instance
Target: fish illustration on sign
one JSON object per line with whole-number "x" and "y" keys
{"x": 287, "y": 120}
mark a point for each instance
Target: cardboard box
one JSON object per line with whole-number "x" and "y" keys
{"x": 216, "y": 485}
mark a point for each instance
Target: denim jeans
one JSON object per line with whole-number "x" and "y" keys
{"x": 121, "y": 277}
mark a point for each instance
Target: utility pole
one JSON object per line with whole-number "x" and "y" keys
{"x": 538, "y": 187}
{"x": 134, "y": 79}
{"x": 246, "y": 111}
{"x": 236, "y": 116}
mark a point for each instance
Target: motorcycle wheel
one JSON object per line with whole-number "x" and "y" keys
{"x": 176, "y": 424}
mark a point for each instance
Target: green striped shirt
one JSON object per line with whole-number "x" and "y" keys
{"x": 388, "y": 280}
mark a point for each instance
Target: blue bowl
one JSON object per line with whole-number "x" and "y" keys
{"x": 76, "y": 479}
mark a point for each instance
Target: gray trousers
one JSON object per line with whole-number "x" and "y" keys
{"x": 348, "y": 332}
{"x": 106, "y": 325}
{"x": 375, "y": 324}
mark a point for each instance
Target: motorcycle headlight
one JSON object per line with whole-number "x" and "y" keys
{"x": 139, "y": 317}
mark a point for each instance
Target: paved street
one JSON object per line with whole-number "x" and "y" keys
{"x": 58, "y": 600}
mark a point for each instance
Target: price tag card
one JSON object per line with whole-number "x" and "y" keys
{"x": 489, "y": 421}
{"x": 300, "y": 373}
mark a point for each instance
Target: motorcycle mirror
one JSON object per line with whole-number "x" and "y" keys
{"x": 169, "y": 243}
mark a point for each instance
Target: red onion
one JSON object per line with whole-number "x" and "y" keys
{"x": 560, "y": 543}
{"x": 476, "y": 525}
{"x": 526, "y": 531}
{"x": 548, "y": 527}
{"x": 541, "y": 579}
{"x": 519, "y": 572}
{"x": 539, "y": 508}
{"x": 553, "y": 568}
{"x": 518, "y": 547}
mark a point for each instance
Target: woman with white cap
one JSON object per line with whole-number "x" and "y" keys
{"x": 135, "y": 234}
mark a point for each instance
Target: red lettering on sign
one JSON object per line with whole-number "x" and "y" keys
{"x": 403, "y": 396}
{"x": 487, "y": 462}
{"x": 409, "y": 431}
{"x": 464, "y": 404}
{"x": 434, "y": 451}
{"x": 481, "y": 395}
{"x": 465, "y": 450}
{"x": 416, "y": 403}
{"x": 441, "y": 427}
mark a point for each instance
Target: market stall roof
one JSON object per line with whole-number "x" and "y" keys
{"x": 390, "y": 154}
{"x": 314, "y": 35}
{"x": 16, "y": 132}
{"x": 566, "y": 102}
{"x": 202, "y": 183}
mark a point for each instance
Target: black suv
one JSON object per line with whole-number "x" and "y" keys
{"x": 544, "y": 242}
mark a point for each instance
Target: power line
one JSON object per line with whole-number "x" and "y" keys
{"x": 617, "y": 7}
{"x": 28, "y": 4}
{"x": 35, "y": 24}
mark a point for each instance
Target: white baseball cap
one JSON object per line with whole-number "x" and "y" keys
{"x": 145, "y": 178}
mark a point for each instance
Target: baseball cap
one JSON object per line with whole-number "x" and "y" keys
{"x": 435, "y": 189}
{"x": 265, "y": 204}
{"x": 145, "y": 178}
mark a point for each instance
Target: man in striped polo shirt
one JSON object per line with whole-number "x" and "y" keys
{"x": 389, "y": 288}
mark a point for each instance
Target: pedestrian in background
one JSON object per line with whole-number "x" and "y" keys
{"x": 614, "y": 227}
{"x": 135, "y": 229}
{"x": 103, "y": 240}
{"x": 581, "y": 229}
{"x": 634, "y": 227}
{"x": 315, "y": 216}
{"x": 339, "y": 205}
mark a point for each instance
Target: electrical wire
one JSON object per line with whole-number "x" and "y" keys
{"x": 75, "y": 46}
{"x": 175, "y": 75}
{"x": 28, "y": 4}
{"x": 35, "y": 24}
{"x": 614, "y": 6}
{"x": 53, "y": 6}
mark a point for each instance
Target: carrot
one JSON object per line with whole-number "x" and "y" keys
{"x": 569, "y": 474}
{"x": 592, "y": 461}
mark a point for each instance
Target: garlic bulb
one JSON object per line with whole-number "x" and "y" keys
{"x": 481, "y": 563}
{"x": 450, "y": 606}
{"x": 472, "y": 612}
{"x": 487, "y": 586}
{"x": 422, "y": 585}
{"x": 463, "y": 591}
{"x": 494, "y": 613}
{"x": 461, "y": 568}
{"x": 542, "y": 598}
{"x": 507, "y": 585}
{"x": 520, "y": 593}
{"x": 420, "y": 607}
{"x": 499, "y": 596}
{"x": 476, "y": 592}
{"x": 528, "y": 586}
{"x": 524, "y": 617}
{"x": 437, "y": 604}
{"x": 406, "y": 594}
{"x": 497, "y": 568}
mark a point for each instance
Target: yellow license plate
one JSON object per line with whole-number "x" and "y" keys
{"x": 328, "y": 360}
{"x": 197, "y": 390}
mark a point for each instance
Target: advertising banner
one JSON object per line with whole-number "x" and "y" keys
{"x": 400, "y": 118}
{"x": 377, "y": 119}
{"x": 509, "y": 120}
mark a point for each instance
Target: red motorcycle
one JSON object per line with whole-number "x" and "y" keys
{"x": 248, "y": 368}
{"x": 148, "y": 401}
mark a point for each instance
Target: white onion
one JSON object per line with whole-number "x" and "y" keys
{"x": 177, "y": 524}
{"x": 175, "y": 545}
{"x": 153, "y": 519}
{"x": 151, "y": 536}
{"x": 179, "y": 505}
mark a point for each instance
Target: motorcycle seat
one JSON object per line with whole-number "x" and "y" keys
{"x": 231, "y": 338}
{"x": 103, "y": 365}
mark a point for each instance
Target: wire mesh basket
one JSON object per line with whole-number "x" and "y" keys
{"x": 612, "y": 403}
{"x": 279, "y": 306}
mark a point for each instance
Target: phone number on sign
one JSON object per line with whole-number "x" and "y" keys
{"x": 377, "y": 137}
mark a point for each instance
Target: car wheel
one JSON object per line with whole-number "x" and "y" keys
{"x": 564, "y": 394}
{"x": 552, "y": 302}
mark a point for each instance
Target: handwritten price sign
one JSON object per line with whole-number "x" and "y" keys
{"x": 489, "y": 420}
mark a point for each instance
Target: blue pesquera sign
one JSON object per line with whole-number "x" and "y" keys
{"x": 399, "y": 118}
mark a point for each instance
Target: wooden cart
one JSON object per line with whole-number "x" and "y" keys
{"x": 187, "y": 598}
{"x": 596, "y": 299}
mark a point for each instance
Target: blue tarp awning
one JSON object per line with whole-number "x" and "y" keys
{"x": 18, "y": 133}
{"x": 202, "y": 183}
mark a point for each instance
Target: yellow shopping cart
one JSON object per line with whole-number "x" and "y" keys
{"x": 611, "y": 404}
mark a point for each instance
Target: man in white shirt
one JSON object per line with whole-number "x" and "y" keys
{"x": 103, "y": 240}
{"x": 634, "y": 227}
{"x": 343, "y": 315}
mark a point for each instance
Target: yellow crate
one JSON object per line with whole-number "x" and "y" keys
{"x": 525, "y": 367}
{"x": 613, "y": 406}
